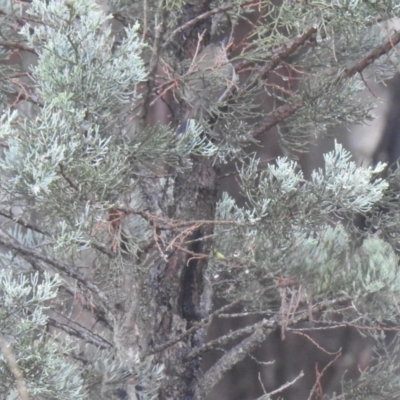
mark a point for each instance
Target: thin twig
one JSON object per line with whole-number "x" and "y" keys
{"x": 318, "y": 346}
{"x": 280, "y": 389}
{"x": 68, "y": 179}
{"x": 320, "y": 375}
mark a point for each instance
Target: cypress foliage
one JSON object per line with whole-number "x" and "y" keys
{"x": 115, "y": 239}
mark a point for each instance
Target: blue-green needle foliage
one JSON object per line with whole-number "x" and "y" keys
{"x": 85, "y": 155}
{"x": 48, "y": 374}
{"x": 72, "y": 159}
{"x": 293, "y": 229}
{"x": 66, "y": 151}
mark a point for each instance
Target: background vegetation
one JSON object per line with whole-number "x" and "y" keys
{"x": 137, "y": 212}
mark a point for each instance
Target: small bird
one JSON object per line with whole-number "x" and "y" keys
{"x": 210, "y": 80}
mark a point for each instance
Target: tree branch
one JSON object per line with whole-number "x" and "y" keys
{"x": 154, "y": 60}
{"x": 32, "y": 255}
{"x": 264, "y": 324}
{"x": 83, "y": 333}
{"x": 23, "y": 222}
{"x": 286, "y": 110}
{"x": 204, "y": 323}
{"x": 373, "y": 55}
{"x": 238, "y": 333}
{"x": 33, "y": 227}
{"x": 17, "y": 46}
{"x": 227, "y": 361}
{"x": 278, "y": 115}
{"x": 280, "y": 54}
{"x": 259, "y": 332}
{"x": 285, "y": 51}
{"x": 203, "y": 17}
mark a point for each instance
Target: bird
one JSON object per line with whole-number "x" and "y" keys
{"x": 208, "y": 83}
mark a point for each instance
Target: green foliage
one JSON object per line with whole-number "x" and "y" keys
{"x": 380, "y": 380}
{"x": 71, "y": 160}
{"x": 78, "y": 68}
{"x": 103, "y": 182}
{"x": 103, "y": 375}
{"x": 291, "y": 229}
{"x": 48, "y": 372}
